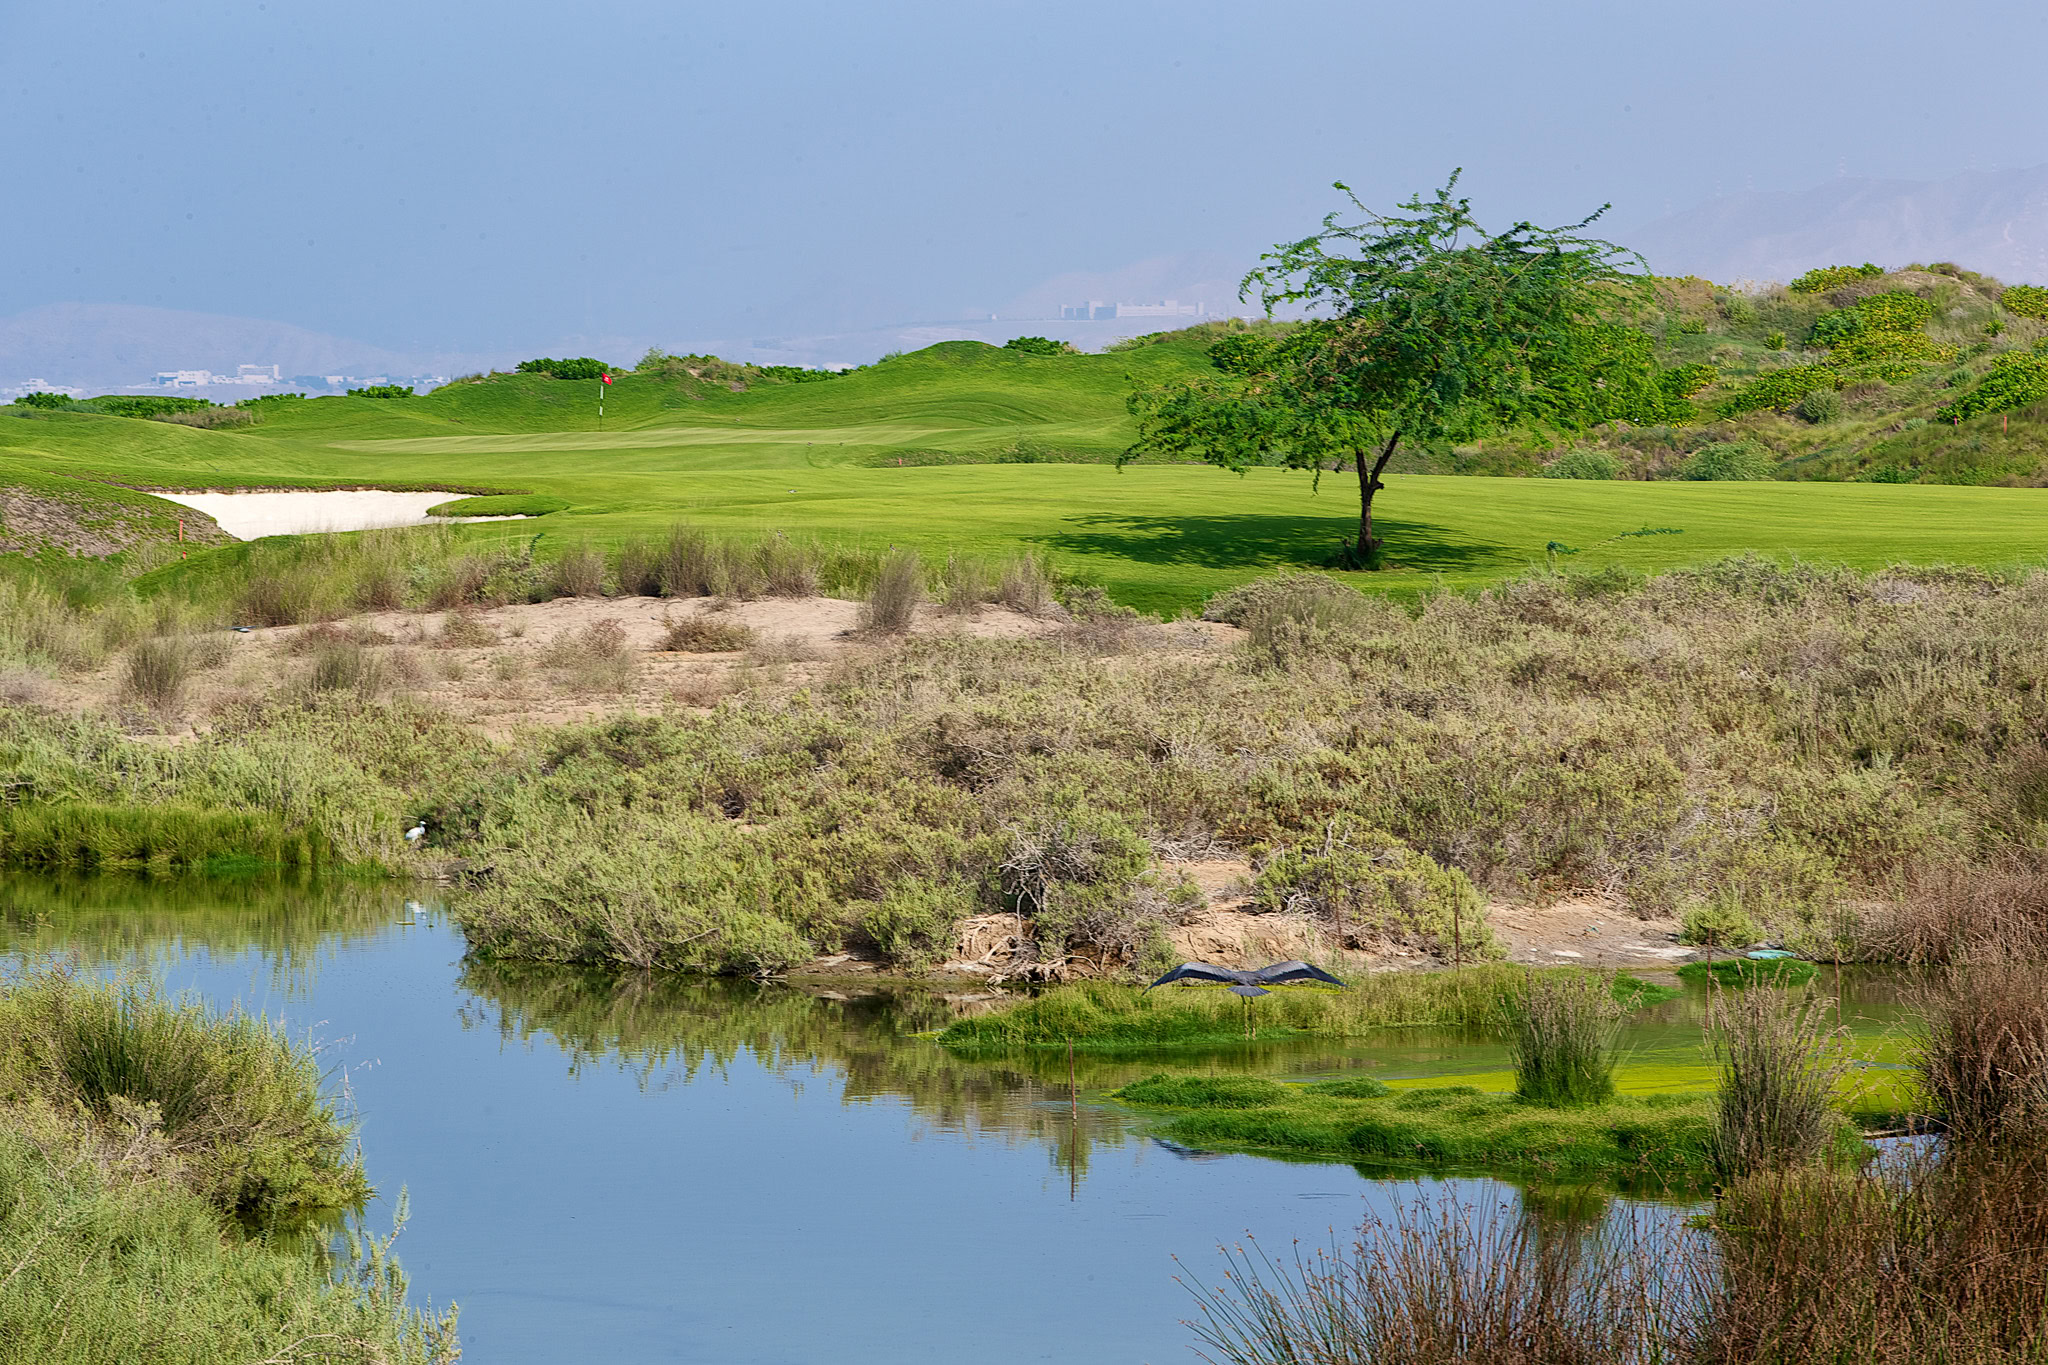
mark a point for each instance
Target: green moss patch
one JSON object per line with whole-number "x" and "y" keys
{"x": 1741, "y": 971}
{"x": 1107, "y": 1016}
{"x": 1440, "y": 1125}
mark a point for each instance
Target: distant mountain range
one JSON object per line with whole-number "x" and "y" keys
{"x": 1992, "y": 221}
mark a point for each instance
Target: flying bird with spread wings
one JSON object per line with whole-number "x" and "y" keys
{"x": 1247, "y": 981}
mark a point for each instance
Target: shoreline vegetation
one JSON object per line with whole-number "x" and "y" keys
{"x": 1848, "y": 763}
{"x": 171, "y": 1180}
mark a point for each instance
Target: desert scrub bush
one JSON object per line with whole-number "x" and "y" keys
{"x": 344, "y": 666}
{"x": 1726, "y": 460}
{"x": 705, "y": 634}
{"x": 913, "y": 925}
{"x": 595, "y": 659}
{"x": 465, "y": 630}
{"x": 2015, "y": 380}
{"x": 2026, "y": 300}
{"x": 1375, "y": 890}
{"x": 1780, "y": 1064}
{"x": 892, "y": 601}
{"x": 1304, "y": 596}
{"x": 1952, "y": 912}
{"x": 1822, "y": 279}
{"x": 156, "y": 673}
{"x": 684, "y": 893}
{"x": 1583, "y": 463}
{"x": 1980, "y": 1053}
{"x": 1821, "y": 406}
{"x": 580, "y": 571}
{"x": 1720, "y": 922}
{"x": 1561, "y": 1035}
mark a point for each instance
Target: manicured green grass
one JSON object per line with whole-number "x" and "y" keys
{"x": 499, "y": 505}
{"x": 803, "y": 458}
{"x": 1107, "y": 1016}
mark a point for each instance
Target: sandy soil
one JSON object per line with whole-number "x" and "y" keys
{"x": 246, "y": 516}
{"x": 528, "y": 664}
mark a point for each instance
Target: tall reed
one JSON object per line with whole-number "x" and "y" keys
{"x": 1780, "y": 1063}
{"x": 1562, "y": 1031}
{"x": 1441, "y": 1282}
{"x": 1981, "y": 1052}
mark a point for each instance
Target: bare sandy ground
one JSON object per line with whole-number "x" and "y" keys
{"x": 247, "y": 516}
{"x": 527, "y": 664}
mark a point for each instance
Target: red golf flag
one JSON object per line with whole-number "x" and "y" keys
{"x": 605, "y": 377}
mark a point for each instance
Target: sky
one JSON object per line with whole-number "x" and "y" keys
{"x": 459, "y": 176}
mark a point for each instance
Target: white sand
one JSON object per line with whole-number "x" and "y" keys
{"x": 245, "y": 516}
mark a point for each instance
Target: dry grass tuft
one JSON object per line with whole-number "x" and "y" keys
{"x": 156, "y": 673}
{"x": 1779, "y": 1066}
{"x": 465, "y": 630}
{"x": 891, "y": 603}
{"x": 1982, "y": 1053}
{"x": 699, "y": 634}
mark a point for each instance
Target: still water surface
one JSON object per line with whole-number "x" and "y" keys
{"x": 635, "y": 1169}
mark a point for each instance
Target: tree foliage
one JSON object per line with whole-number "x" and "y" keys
{"x": 1426, "y": 328}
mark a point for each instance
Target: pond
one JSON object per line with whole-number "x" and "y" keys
{"x": 641, "y": 1168}
{"x": 246, "y": 516}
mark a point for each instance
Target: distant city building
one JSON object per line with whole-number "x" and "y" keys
{"x": 1095, "y": 310}
{"x": 258, "y": 374}
{"x": 183, "y": 379}
{"x": 28, "y": 386}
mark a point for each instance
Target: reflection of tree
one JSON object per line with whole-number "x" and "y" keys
{"x": 666, "y": 1029}
{"x": 293, "y": 921}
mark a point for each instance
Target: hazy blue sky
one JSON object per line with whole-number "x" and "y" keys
{"x": 477, "y": 175}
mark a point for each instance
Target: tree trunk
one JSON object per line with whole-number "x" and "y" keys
{"x": 1369, "y": 484}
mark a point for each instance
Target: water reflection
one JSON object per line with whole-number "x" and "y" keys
{"x": 639, "y": 1168}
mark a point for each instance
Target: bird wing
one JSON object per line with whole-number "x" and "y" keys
{"x": 1249, "y": 992}
{"x": 1289, "y": 973}
{"x": 1206, "y": 972}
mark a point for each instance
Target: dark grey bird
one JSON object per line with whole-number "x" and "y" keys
{"x": 1247, "y": 981}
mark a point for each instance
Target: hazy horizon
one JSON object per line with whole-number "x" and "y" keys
{"x": 469, "y": 179}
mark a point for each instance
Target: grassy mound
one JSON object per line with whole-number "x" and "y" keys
{"x": 1741, "y": 971}
{"x": 499, "y": 505}
{"x": 1107, "y": 1016}
{"x": 1442, "y": 1125}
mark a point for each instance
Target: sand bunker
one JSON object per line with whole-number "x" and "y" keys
{"x": 245, "y": 516}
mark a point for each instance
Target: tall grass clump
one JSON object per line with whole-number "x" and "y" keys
{"x": 81, "y": 836}
{"x": 1981, "y": 1053}
{"x": 159, "y": 1162}
{"x": 1780, "y": 1063}
{"x": 156, "y": 673}
{"x": 968, "y": 584}
{"x": 1952, "y": 911}
{"x": 892, "y": 601}
{"x": 789, "y": 568}
{"x": 235, "y": 1104}
{"x": 1026, "y": 585}
{"x": 1943, "y": 1259}
{"x": 1441, "y": 1282}
{"x": 1561, "y": 1035}
{"x": 580, "y": 571}
{"x": 344, "y": 666}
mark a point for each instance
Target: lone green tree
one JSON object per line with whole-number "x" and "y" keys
{"x": 1423, "y": 328}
